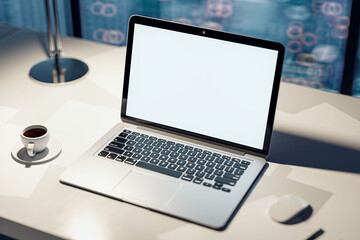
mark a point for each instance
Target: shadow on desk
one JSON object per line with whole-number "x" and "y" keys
{"x": 295, "y": 150}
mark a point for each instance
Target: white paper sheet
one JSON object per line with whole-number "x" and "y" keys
{"x": 107, "y": 71}
{"x": 77, "y": 126}
{"x": 323, "y": 122}
{"x": 6, "y": 114}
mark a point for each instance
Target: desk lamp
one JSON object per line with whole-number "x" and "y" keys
{"x": 56, "y": 69}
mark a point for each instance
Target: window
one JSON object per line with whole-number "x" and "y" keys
{"x": 314, "y": 32}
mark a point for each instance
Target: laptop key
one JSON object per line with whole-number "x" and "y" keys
{"x": 199, "y": 167}
{"x": 131, "y": 143}
{"x": 154, "y": 155}
{"x": 128, "y": 154}
{"x": 172, "y": 166}
{"x": 157, "y": 149}
{"x": 148, "y": 147}
{"x": 210, "y": 164}
{"x": 124, "y": 135}
{"x": 245, "y": 162}
{"x": 190, "y": 171}
{"x": 201, "y": 162}
{"x": 181, "y": 169}
{"x": 181, "y": 162}
{"x": 231, "y": 176}
{"x": 148, "y": 141}
{"x": 240, "y": 166}
{"x": 157, "y": 144}
{"x": 115, "y": 150}
{"x": 206, "y": 184}
{"x": 158, "y": 169}
{"x": 120, "y": 158}
{"x": 209, "y": 176}
{"x": 103, "y": 153}
{"x": 128, "y": 148}
{"x": 219, "y": 160}
{"x": 198, "y": 180}
{"x": 191, "y": 154}
{"x": 137, "y": 150}
{"x": 145, "y": 152}
{"x": 208, "y": 170}
{"x": 228, "y": 163}
{"x": 187, "y": 177}
{"x": 225, "y": 189}
{"x": 163, "y": 157}
{"x": 154, "y": 161}
{"x": 239, "y": 172}
{"x": 145, "y": 158}
{"x": 199, "y": 174}
{"x": 137, "y": 156}
{"x": 163, "y": 164}
{"x": 116, "y": 144}
{"x": 183, "y": 150}
{"x": 172, "y": 160}
{"x": 190, "y": 165}
{"x": 218, "y": 172}
{"x": 126, "y": 131}
{"x": 226, "y": 157}
{"x": 120, "y": 139}
{"x": 153, "y": 138}
{"x": 131, "y": 137}
{"x": 130, "y": 161}
{"x": 225, "y": 181}
{"x": 229, "y": 169}
{"x": 112, "y": 156}
{"x": 219, "y": 166}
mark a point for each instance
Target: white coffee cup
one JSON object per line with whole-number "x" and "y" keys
{"x": 35, "y": 139}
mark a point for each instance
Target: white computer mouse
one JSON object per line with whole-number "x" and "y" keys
{"x": 287, "y": 207}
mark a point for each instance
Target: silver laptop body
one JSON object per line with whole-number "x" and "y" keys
{"x": 197, "y": 114}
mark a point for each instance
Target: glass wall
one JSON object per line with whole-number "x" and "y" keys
{"x": 314, "y": 32}
{"x": 31, "y": 15}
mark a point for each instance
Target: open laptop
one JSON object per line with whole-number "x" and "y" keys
{"x": 197, "y": 114}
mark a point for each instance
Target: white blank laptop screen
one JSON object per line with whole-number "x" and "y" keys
{"x": 212, "y": 87}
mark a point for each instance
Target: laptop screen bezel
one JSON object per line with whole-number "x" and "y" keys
{"x": 212, "y": 34}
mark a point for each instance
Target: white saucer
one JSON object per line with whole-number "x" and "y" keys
{"x": 20, "y": 155}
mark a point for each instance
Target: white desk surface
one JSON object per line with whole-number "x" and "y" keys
{"x": 33, "y": 198}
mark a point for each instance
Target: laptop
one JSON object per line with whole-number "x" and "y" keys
{"x": 197, "y": 114}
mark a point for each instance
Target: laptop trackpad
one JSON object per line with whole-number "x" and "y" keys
{"x": 147, "y": 188}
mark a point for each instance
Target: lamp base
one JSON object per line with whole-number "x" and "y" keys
{"x": 58, "y": 70}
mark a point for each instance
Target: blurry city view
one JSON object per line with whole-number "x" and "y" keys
{"x": 314, "y": 32}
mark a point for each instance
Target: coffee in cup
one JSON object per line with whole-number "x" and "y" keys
{"x": 35, "y": 139}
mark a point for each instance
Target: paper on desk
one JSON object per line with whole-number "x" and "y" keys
{"x": 107, "y": 70}
{"x": 16, "y": 179}
{"x": 323, "y": 122}
{"x": 78, "y": 126}
{"x": 251, "y": 222}
{"x": 6, "y": 114}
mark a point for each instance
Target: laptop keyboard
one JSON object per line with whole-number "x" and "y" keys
{"x": 192, "y": 164}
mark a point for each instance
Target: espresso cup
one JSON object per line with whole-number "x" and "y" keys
{"x": 35, "y": 139}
